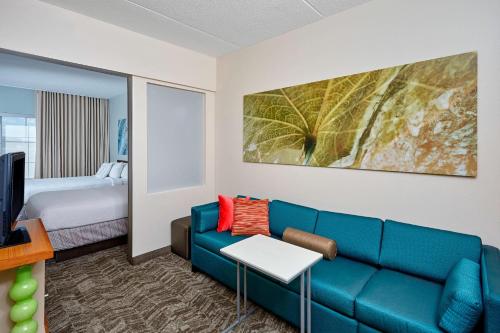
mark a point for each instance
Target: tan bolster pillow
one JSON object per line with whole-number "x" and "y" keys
{"x": 323, "y": 245}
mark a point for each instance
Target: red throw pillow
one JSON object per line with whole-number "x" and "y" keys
{"x": 251, "y": 217}
{"x": 226, "y": 212}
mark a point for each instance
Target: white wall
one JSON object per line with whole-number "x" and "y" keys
{"x": 41, "y": 29}
{"x": 376, "y": 35}
{"x": 117, "y": 110}
{"x": 153, "y": 212}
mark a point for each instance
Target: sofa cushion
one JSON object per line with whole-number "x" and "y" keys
{"x": 226, "y": 213}
{"x": 425, "y": 252}
{"x": 461, "y": 305}
{"x": 251, "y": 217}
{"x": 214, "y": 241}
{"x": 284, "y": 214}
{"x": 357, "y": 237}
{"x": 397, "y": 302}
{"x": 247, "y": 197}
{"x": 326, "y": 246}
{"x": 336, "y": 283}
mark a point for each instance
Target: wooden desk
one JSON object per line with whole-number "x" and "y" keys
{"x": 34, "y": 253}
{"x": 37, "y": 250}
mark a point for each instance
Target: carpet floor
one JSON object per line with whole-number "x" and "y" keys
{"x": 102, "y": 292}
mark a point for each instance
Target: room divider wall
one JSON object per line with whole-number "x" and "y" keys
{"x": 173, "y": 158}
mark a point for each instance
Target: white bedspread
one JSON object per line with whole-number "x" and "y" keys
{"x": 75, "y": 208}
{"x": 34, "y": 186}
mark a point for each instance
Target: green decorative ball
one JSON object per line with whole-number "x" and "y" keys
{"x": 28, "y": 326}
{"x": 23, "y": 310}
{"x": 23, "y": 273}
{"x": 23, "y": 289}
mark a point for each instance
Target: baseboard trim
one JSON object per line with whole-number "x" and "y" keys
{"x": 150, "y": 255}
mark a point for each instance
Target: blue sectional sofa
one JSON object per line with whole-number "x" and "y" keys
{"x": 387, "y": 277}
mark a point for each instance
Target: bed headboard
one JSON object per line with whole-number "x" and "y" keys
{"x": 122, "y": 161}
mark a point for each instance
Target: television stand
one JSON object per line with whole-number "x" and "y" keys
{"x": 15, "y": 259}
{"x": 17, "y": 237}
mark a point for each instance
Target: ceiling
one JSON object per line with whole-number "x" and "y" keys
{"x": 212, "y": 27}
{"x": 21, "y": 72}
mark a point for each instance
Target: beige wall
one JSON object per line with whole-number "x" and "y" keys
{"x": 6, "y": 280}
{"x": 41, "y": 29}
{"x": 379, "y": 34}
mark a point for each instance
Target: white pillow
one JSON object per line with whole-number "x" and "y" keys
{"x": 104, "y": 170}
{"x": 124, "y": 174}
{"x": 116, "y": 170}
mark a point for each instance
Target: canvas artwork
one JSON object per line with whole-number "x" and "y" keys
{"x": 419, "y": 117}
{"x": 122, "y": 137}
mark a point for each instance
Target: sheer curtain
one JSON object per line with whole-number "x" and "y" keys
{"x": 72, "y": 135}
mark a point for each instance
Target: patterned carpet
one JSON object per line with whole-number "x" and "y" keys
{"x": 102, "y": 292}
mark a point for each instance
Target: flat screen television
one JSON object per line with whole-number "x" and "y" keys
{"x": 11, "y": 199}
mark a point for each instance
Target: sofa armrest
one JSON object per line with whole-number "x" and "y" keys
{"x": 204, "y": 217}
{"x": 490, "y": 275}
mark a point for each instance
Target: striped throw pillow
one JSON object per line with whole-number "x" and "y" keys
{"x": 251, "y": 217}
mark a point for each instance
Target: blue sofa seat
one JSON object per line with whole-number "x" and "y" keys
{"x": 397, "y": 302}
{"x": 336, "y": 283}
{"x": 387, "y": 277}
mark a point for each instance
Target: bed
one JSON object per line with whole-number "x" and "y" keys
{"x": 34, "y": 186}
{"x": 84, "y": 217}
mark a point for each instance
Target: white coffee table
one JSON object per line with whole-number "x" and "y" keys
{"x": 277, "y": 259}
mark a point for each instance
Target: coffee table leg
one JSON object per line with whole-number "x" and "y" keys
{"x": 238, "y": 290}
{"x": 245, "y": 289}
{"x": 246, "y": 314}
{"x": 309, "y": 300}
{"x": 302, "y": 302}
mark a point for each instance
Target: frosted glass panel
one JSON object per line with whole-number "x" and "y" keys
{"x": 176, "y": 138}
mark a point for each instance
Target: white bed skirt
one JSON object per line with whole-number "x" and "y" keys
{"x": 64, "y": 239}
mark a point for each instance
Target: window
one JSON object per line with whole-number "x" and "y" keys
{"x": 176, "y": 138}
{"x": 18, "y": 133}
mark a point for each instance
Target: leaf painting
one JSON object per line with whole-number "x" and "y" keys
{"x": 420, "y": 117}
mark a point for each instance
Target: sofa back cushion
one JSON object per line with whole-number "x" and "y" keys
{"x": 425, "y": 252}
{"x": 357, "y": 237}
{"x": 284, "y": 214}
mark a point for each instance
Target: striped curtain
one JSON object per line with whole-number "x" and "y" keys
{"x": 72, "y": 135}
